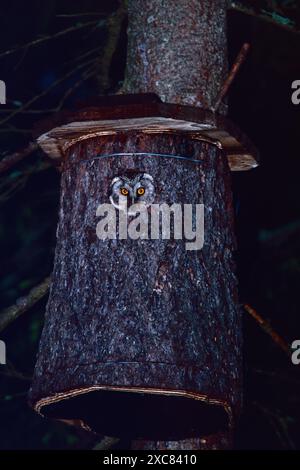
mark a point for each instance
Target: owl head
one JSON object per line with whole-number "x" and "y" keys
{"x": 128, "y": 190}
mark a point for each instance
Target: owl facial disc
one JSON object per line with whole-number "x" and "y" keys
{"x": 126, "y": 191}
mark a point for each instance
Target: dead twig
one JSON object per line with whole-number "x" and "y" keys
{"x": 16, "y": 182}
{"x": 85, "y": 76}
{"x": 47, "y": 38}
{"x": 84, "y": 55}
{"x": 232, "y": 74}
{"x": 76, "y": 15}
{"x": 114, "y": 26}
{"x": 45, "y": 92}
{"x": 265, "y": 325}
{"x": 77, "y": 59}
{"x": 10, "y": 160}
{"x": 11, "y": 372}
{"x": 28, "y": 111}
{"x": 268, "y": 16}
{"x": 15, "y": 130}
{"x": 278, "y": 377}
{"x": 12, "y": 397}
{"x": 280, "y": 424}
{"x": 23, "y": 304}
{"x": 106, "y": 443}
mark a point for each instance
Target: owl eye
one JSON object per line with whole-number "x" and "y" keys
{"x": 124, "y": 191}
{"x": 141, "y": 191}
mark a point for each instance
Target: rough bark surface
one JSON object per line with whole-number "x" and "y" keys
{"x": 143, "y": 314}
{"x": 149, "y": 314}
{"x": 177, "y": 49}
{"x": 218, "y": 441}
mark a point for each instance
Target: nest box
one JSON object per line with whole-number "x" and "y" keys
{"x": 142, "y": 337}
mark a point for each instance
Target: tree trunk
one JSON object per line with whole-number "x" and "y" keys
{"x": 146, "y": 316}
{"x": 179, "y": 51}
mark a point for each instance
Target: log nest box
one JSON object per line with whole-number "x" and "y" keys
{"x": 143, "y": 337}
{"x": 146, "y": 113}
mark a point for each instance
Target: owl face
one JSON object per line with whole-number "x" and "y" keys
{"x": 126, "y": 191}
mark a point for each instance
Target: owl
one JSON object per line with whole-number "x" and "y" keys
{"x": 128, "y": 190}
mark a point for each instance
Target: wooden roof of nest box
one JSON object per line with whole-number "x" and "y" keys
{"x": 148, "y": 114}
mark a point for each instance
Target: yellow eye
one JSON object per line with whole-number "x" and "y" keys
{"x": 124, "y": 191}
{"x": 141, "y": 191}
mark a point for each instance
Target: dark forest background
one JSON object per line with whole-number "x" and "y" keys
{"x": 88, "y": 59}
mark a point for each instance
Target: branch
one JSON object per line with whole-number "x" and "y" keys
{"x": 114, "y": 25}
{"x": 78, "y": 58}
{"x": 268, "y": 16}
{"x": 23, "y": 304}
{"x": 12, "y": 397}
{"x": 10, "y": 160}
{"x": 277, "y": 376}
{"x": 15, "y": 182}
{"x": 14, "y": 130}
{"x": 280, "y": 424}
{"x": 45, "y": 92}
{"x": 28, "y": 111}
{"x": 265, "y": 325}
{"x": 232, "y": 74}
{"x": 85, "y": 54}
{"x": 85, "y": 76}
{"x": 11, "y": 372}
{"x": 47, "y": 38}
{"x": 76, "y": 15}
{"x": 106, "y": 443}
